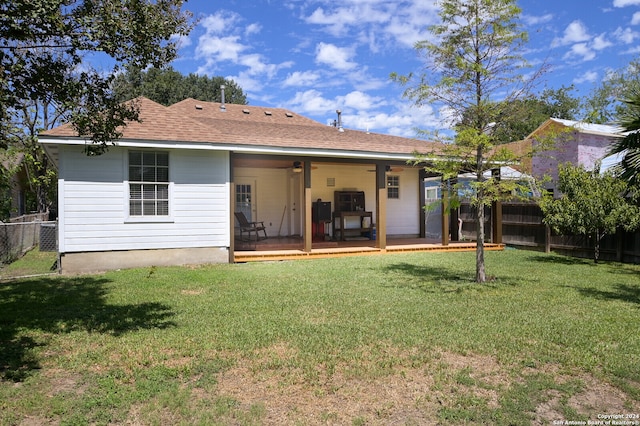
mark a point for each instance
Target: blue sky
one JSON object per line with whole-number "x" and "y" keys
{"x": 316, "y": 56}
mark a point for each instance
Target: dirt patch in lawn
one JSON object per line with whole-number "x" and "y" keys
{"x": 595, "y": 398}
{"x": 401, "y": 394}
{"x": 406, "y": 393}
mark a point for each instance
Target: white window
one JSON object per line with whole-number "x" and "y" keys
{"x": 431, "y": 193}
{"x": 393, "y": 187}
{"x": 148, "y": 183}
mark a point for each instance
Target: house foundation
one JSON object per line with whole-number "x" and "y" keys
{"x": 91, "y": 262}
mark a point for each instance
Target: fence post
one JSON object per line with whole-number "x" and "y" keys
{"x": 620, "y": 234}
{"x": 547, "y": 239}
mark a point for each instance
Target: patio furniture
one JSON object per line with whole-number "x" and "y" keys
{"x": 249, "y": 227}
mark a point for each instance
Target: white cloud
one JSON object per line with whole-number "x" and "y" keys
{"x": 220, "y": 22}
{"x": 351, "y": 14}
{"x": 361, "y": 101}
{"x": 403, "y": 22}
{"x": 575, "y": 32}
{"x": 537, "y": 20}
{"x": 218, "y": 49}
{"x": 336, "y": 57}
{"x": 635, "y": 19}
{"x": 311, "y": 102}
{"x": 586, "y": 77}
{"x": 623, "y": 3}
{"x": 181, "y": 41}
{"x": 301, "y": 78}
{"x": 625, "y": 35}
{"x": 253, "y": 29}
{"x": 600, "y": 42}
{"x": 632, "y": 51}
{"x": 248, "y": 82}
{"x": 224, "y": 41}
{"x": 580, "y": 50}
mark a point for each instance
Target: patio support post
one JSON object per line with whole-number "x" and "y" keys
{"x": 308, "y": 230}
{"x": 445, "y": 214}
{"x": 496, "y": 214}
{"x": 381, "y": 206}
{"x": 422, "y": 175}
{"x": 232, "y": 208}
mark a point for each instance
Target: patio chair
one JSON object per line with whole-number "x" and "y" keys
{"x": 249, "y": 227}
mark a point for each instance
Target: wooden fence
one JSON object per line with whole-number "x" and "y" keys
{"x": 522, "y": 227}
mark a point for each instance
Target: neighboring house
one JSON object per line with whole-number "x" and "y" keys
{"x": 578, "y": 143}
{"x": 165, "y": 194}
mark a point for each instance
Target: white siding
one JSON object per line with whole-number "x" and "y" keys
{"x": 403, "y": 214}
{"x": 94, "y": 204}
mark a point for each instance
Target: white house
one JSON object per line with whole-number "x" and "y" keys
{"x": 166, "y": 192}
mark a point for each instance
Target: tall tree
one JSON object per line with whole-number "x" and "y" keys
{"x": 44, "y": 46}
{"x": 167, "y": 86}
{"x": 591, "y": 204}
{"x": 474, "y": 63}
{"x": 31, "y": 117}
{"x": 629, "y": 146}
{"x": 606, "y": 102}
{"x": 517, "y": 118}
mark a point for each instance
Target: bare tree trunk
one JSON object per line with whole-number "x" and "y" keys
{"x": 480, "y": 273}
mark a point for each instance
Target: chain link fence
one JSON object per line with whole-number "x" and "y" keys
{"x": 18, "y": 237}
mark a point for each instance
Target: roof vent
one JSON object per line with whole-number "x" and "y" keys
{"x": 340, "y": 129}
{"x": 267, "y": 113}
{"x": 288, "y": 114}
{"x": 246, "y": 111}
{"x": 223, "y": 107}
{"x": 198, "y": 106}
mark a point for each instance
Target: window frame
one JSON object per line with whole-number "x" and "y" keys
{"x": 432, "y": 188}
{"x": 393, "y": 187}
{"x": 135, "y": 218}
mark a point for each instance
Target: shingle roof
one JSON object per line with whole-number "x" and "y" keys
{"x": 195, "y": 121}
{"x": 158, "y": 123}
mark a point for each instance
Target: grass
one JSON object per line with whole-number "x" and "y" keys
{"x": 35, "y": 262}
{"x": 406, "y": 339}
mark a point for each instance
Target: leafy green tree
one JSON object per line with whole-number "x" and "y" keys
{"x": 518, "y": 118}
{"x": 475, "y": 58}
{"x": 591, "y": 204}
{"x": 606, "y": 102}
{"x": 629, "y": 146}
{"x": 45, "y": 46}
{"x": 7, "y": 170}
{"x": 167, "y": 86}
{"x": 31, "y": 118}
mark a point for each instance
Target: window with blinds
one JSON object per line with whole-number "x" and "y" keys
{"x": 148, "y": 183}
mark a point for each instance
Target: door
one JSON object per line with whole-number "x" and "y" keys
{"x": 245, "y": 197}
{"x": 296, "y": 206}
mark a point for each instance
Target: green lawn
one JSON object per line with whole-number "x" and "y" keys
{"x": 401, "y": 339}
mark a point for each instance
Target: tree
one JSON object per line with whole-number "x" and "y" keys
{"x": 629, "y": 146}
{"x": 474, "y": 59}
{"x": 591, "y": 204}
{"x": 518, "y": 118}
{"x": 167, "y": 86}
{"x": 31, "y": 117}
{"x": 606, "y": 102}
{"x": 45, "y": 44}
